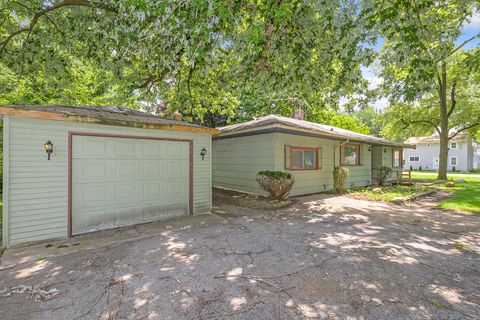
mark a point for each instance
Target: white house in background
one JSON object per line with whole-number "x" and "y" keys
{"x": 463, "y": 153}
{"x": 476, "y": 156}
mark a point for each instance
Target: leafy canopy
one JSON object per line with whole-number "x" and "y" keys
{"x": 204, "y": 58}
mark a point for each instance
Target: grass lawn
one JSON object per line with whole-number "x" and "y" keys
{"x": 388, "y": 193}
{"x": 466, "y": 195}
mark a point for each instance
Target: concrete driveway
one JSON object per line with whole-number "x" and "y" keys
{"x": 326, "y": 258}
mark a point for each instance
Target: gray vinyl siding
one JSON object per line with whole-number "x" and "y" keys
{"x": 314, "y": 181}
{"x": 427, "y": 152}
{"x": 37, "y": 201}
{"x": 236, "y": 161}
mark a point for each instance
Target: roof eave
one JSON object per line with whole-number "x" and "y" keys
{"x": 337, "y": 136}
{"x": 46, "y": 115}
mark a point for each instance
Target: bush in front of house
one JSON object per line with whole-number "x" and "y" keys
{"x": 340, "y": 175}
{"x": 384, "y": 173}
{"x": 276, "y": 183}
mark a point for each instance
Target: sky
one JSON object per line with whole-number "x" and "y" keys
{"x": 470, "y": 29}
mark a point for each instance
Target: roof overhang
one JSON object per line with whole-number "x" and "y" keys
{"x": 56, "y": 116}
{"x": 281, "y": 128}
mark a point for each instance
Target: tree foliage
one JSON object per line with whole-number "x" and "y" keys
{"x": 424, "y": 68}
{"x": 204, "y": 58}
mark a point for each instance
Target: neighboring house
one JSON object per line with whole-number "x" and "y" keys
{"x": 476, "y": 155}
{"x": 310, "y": 151}
{"x": 109, "y": 167}
{"x": 461, "y": 152}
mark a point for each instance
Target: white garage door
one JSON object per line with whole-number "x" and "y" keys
{"x": 123, "y": 181}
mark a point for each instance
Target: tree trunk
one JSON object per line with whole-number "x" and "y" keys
{"x": 443, "y": 157}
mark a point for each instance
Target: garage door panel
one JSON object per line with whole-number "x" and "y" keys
{"x": 125, "y": 193}
{"x": 154, "y": 169}
{"x": 154, "y": 191}
{"x": 94, "y": 147}
{"x": 151, "y": 149}
{"x": 175, "y": 169}
{"x": 125, "y": 168}
{"x": 117, "y": 181}
{"x": 125, "y": 149}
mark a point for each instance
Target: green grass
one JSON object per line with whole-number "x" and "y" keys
{"x": 388, "y": 193}
{"x": 466, "y": 196}
{"x": 461, "y": 245}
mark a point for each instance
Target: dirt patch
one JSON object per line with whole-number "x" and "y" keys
{"x": 223, "y": 196}
{"x": 325, "y": 257}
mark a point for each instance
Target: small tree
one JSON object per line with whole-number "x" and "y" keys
{"x": 340, "y": 175}
{"x": 277, "y": 183}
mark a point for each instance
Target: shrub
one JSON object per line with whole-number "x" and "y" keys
{"x": 420, "y": 168}
{"x": 411, "y": 168}
{"x": 277, "y": 183}
{"x": 384, "y": 173}
{"x": 340, "y": 175}
{"x": 454, "y": 169}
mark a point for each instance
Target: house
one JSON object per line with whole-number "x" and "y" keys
{"x": 72, "y": 170}
{"x": 461, "y": 152}
{"x": 310, "y": 151}
{"x": 476, "y": 156}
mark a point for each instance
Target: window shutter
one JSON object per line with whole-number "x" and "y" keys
{"x": 287, "y": 158}
{"x": 319, "y": 158}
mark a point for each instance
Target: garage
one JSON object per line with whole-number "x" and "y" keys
{"x": 122, "y": 180}
{"x": 75, "y": 170}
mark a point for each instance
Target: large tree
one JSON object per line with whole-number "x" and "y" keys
{"x": 201, "y": 57}
{"x": 420, "y": 65}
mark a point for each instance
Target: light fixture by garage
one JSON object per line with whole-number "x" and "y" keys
{"x": 203, "y": 152}
{"x": 48, "y": 148}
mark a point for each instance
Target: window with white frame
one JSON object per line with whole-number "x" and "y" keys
{"x": 453, "y": 161}
{"x": 453, "y": 145}
{"x": 414, "y": 159}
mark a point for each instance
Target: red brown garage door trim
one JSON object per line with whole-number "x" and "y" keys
{"x": 106, "y": 135}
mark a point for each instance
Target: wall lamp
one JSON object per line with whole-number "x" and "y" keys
{"x": 384, "y": 150}
{"x": 203, "y": 153}
{"x": 48, "y": 148}
{"x": 370, "y": 149}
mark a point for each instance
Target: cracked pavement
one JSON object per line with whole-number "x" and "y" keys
{"x": 326, "y": 257}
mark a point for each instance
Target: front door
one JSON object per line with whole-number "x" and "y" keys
{"x": 436, "y": 161}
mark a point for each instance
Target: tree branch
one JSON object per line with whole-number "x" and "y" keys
{"x": 41, "y": 13}
{"x": 453, "y": 101}
{"x": 463, "y": 43}
{"x": 408, "y": 123}
{"x": 476, "y": 123}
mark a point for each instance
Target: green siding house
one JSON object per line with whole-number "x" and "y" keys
{"x": 105, "y": 167}
{"x": 310, "y": 151}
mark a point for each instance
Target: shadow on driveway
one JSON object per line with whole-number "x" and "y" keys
{"x": 325, "y": 257}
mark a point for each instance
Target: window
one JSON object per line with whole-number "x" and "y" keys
{"x": 453, "y": 145}
{"x": 453, "y": 161}
{"x": 414, "y": 159}
{"x": 302, "y": 158}
{"x": 397, "y": 158}
{"x": 350, "y": 154}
